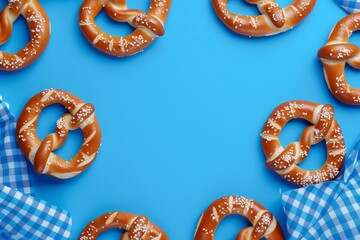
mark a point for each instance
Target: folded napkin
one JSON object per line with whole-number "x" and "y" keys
{"x": 350, "y": 6}
{"x": 22, "y": 216}
{"x": 330, "y": 210}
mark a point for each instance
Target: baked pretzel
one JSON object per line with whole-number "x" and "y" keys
{"x": 39, "y": 28}
{"x": 273, "y": 20}
{"x": 324, "y": 127}
{"x": 137, "y": 227}
{"x": 334, "y": 56}
{"x": 148, "y": 26}
{"x": 264, "y": 223}
{"x": 40, "y": 153}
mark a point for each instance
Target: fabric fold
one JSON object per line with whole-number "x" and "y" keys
{"x": 329, "y": 210}
{"x": 350, "y": 6}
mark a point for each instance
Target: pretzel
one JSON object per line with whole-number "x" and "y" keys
{"x": 334, "y": 56}
{"x": 148, "y": 26}
{"x": 81, "y": 115}
{"x": 324, "y": 127}
{"x": 263, "y": 222}
{"x": 39, "y": 28}
{"x": 137, "y": 227}
{"x": 273, "y": 20}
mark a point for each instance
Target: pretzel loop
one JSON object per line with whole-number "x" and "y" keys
{"x": 273, "y": 20}
{"x": 324, "y": 127}
{"x": 40, "y": 153}
{"x": 39, "y": 28}
{"x": 148, "y": 26}
{"x": 136, "y": 227}
{"x": 263, "y": 222}
{"x": 334, "y": 56}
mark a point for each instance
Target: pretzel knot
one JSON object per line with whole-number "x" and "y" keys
{"x": 334, "y": 56}
{"x": 137, "y": 227}
{"x": 273, "y": 18}
{"x": 40, "y": 153}
{"x": 263, "y": 222}
{"x": 39, "y": 28}
{"x": 324, "y": 127}
{"x": 148, "y": 26}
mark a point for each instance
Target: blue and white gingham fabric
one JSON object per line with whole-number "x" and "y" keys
{"x": 350, "y": 6}
{"x": 330, "y": 210}
{"x": 22, "y": 216}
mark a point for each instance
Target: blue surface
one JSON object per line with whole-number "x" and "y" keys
{"x": 181, "y": 120}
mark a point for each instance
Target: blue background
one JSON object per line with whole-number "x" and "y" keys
{"x": 181, "y": 120}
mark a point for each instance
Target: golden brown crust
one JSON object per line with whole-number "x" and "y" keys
{"x": 148, "y": 26}
{"x": 81, "y": 115}
{"x": 264, "y": 223}
{"x": 273, "y": 20}
{"x": 39, "y": 28}
{"x": 137, "y": 227}
{"x": 324, "y": 127}
{"x": 334, "y": 56}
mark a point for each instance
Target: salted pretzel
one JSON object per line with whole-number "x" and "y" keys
{"x": 40, "y": 153}
{"x": 148, "y": 26}
{"x": 39, "y": 28}
{"x": 137, "y": 227}
{"x": 324, "y": 127}
{"x": 273, "y": 18}
{"x": 334, "y": 56}
{"x": 263, "y": 222}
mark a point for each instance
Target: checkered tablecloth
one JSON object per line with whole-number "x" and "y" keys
{"x": 350, "y": 6}
{"x": 330, "y": 210}
{"x": 22, "y": 216}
